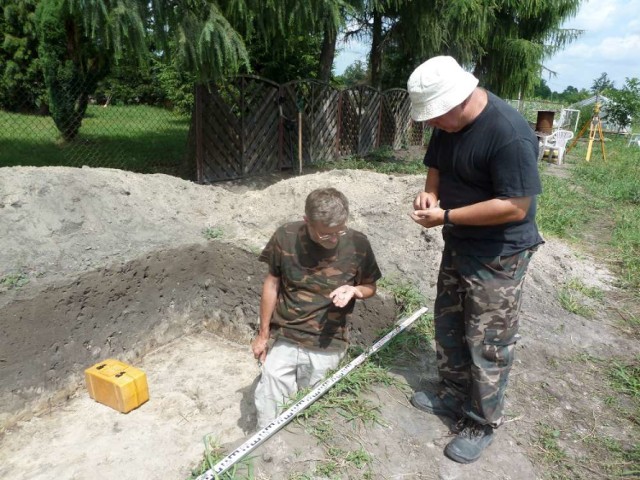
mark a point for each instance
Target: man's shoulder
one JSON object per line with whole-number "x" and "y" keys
{"x": 359, "y": 236}
{"x": 507, "y": 111}
{"x": 360, "y": 243}
{"x": 288, "y": 229}
{"x": 507, "y": 122}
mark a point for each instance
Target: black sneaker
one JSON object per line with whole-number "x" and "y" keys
{"x": 470, "y": 442}
{"x": 438, "y": 404}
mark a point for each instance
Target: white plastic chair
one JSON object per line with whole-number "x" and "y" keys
{"x": 634, "y": 138}
{"x": 556, "y": 141}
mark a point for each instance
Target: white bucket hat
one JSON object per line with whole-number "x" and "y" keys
{"x": 437, "y": 86}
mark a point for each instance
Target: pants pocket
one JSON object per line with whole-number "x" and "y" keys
{"x": 499, "y": 346}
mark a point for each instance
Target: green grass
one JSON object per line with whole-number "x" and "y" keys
{"x": 574, "y": 297}
{"x": 625, "y": 377}
{"x": 563, "y": 211}
{"x": 211, "y": 233}
{"x": 14, "y": 280}
{"x": 602, "y": 197}
{"x": 381, "y": 160}
{"x": 618, "y": 461}
{"x": 243, "y": 470}
{"x": 137, "y": 138}
{"x": 407, "y": 297}
{"x": 547, "y": 441}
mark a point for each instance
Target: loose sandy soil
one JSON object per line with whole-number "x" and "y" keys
{"x": 101, "y": 263}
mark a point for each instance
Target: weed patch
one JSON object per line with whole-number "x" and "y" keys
{"x": 211, "y": 233}
{"x": 576, "y": 297}
{"x": 14, "y": 280}
{"x": 213, "y": 453}
{"x": 382, "y": 160}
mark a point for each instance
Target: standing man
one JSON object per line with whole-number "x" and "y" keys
{"x": 317, "y": 269}
{"x": 481, "y": 185}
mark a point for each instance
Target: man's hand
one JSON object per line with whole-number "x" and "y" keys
{"x": 429, "y": 217}
{"x": 425, "y": 200}
{"x": 341, "y": 296}
{"x": 259, "y": 347}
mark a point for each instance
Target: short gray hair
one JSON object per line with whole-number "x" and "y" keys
{"x": 327, "y": 206}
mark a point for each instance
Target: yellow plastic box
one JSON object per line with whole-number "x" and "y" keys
{"x": 117, "y": 385}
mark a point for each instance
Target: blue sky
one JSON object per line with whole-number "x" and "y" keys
{"x": 610, "y": 43}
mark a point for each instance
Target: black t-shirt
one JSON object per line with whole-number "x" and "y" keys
{"x": 496, "y": 156}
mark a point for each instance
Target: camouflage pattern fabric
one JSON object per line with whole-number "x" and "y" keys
{"x": 476, "y": 328}
{"x": 308, "y": 273}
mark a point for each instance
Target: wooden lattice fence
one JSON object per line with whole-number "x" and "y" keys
{"x": 251, "y": 125}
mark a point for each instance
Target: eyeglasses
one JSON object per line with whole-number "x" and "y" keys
{"x": 341, "y": 233}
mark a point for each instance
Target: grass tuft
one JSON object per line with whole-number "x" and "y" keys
{"x": 213, "y": 453}
{"x": 211, "y": 233}
{"x": 14, "y": 280}
{"x": 578, "y": 298}
{"x": 381, "y": 160}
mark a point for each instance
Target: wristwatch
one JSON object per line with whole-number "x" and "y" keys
{"x": 447, "y": 222}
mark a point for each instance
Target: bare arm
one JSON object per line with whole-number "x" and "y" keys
{"x": 270, "y": 289}
{"x": 490, "y": 212}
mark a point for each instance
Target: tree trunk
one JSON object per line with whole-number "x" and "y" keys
{"x": 327, "y": 54}
{"x": 375, "y": 59}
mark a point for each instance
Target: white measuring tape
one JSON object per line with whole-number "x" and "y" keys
{"x": 285, "y": 417}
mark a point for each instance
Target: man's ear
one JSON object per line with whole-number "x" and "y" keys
{"x": 306, "y": 220}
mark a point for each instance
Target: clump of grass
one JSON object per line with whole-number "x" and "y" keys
{"x": 573, "y": 295}
{"x": 547, "y": 441}
{"x": 211, "y": 233}
{"x": 406, "y": 295}
{"x": 213, "y": 453}
{"x": 625, "y": 377}
{"x": 615, "y": 459}
{"x": 359, "y": 458}
{"x": 408, "y": 299}
{"x": 380, "y": 161}
{"x": 346, "y": 398}
{"x": 14, "y": 280}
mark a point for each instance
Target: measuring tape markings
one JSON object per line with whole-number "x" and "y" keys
{"x": 308, "y": 399}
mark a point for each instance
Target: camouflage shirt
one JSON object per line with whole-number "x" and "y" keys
{"x": 308, "y": 273}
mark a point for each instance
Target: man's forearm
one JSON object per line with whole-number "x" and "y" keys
{"x": 268, "y": 304}
{"x": 491, "y": 212}
{"x": 367, "y": 290}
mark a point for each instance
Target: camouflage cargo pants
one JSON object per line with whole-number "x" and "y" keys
{"x": 476, "y": 328}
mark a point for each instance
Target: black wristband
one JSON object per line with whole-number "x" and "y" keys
{"x": 446, "y": 218}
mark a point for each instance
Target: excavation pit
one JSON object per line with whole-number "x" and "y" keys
{"x": 185, "y": 317}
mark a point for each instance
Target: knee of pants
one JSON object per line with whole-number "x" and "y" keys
{"x": 273, "y": 383}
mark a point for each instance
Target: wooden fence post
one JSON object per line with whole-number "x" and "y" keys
{"x": 379, "y": 133}
{"x": 339, "y": 132}
{"x": 199, "y": 136}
